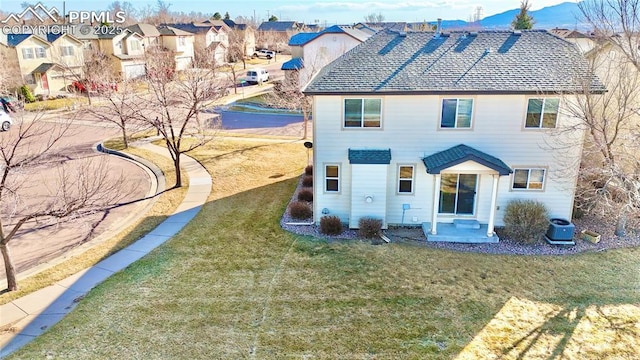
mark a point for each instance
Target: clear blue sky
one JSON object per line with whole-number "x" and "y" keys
{"x": 309, "y": 11}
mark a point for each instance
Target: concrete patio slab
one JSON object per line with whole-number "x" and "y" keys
{"x": 450, "y": 233}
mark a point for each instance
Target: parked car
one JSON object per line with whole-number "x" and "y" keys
{"x": 267, "y": 54}
{"x": 255, "y": 76}
{"x": 92, "y": 86}
{"x": 10, "y": 104}
{"x": 5, "y": 121}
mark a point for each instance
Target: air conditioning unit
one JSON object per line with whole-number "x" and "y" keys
{"x": 560, "y": 230}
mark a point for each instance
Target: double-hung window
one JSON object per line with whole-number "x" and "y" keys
{"x": 41, "y": 52}
{"x": 405, "y": 179}
{"x": 66, "y": 50}
{"x": 359, "y": 113}
{"x": 332, "y": 178}
{"x": 542, "y": 113}
{"x": 456, "y": 113}
{"x": 528, "y": 179}
{"x": 27, "y": 53}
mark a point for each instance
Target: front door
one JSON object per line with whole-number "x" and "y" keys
{"x": 458, "y": 194}
{"x": 45, "y": 81}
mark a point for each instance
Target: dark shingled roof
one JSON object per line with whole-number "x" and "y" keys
{"x": 395, "y": 62}
{"x": 460, "y": 153}
{"x": 278, "y": 26}
{"x": 367, "y": 156}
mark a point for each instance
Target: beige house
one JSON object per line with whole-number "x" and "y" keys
{"x": 180, "y": 43}
{"x": 127, "y": 51}
{"x": 66, "y": 51}
{"x": 208, "y": 41}
{"x": 583, "y": 41}
{"x": 36, "y": 62}
{"x": 243, "y": 34}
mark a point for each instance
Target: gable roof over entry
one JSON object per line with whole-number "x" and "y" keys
{"x": 367, "y": 156}
{"x": 460, "y": 153}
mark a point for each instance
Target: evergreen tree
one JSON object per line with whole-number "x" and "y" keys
{"x": 523, "y": 20}
{"x": 226, "y": 16}
{"x": 273, "y": 18}
{"x": 217, "y": 16}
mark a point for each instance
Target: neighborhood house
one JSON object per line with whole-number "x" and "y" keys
{"x": 434, "y": 129}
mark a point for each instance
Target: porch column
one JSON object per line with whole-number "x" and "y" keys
{"x": 492, "y": 211}
{"x": 436, "y": 205}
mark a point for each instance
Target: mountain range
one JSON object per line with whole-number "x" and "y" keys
{"x": 564, "y": 15}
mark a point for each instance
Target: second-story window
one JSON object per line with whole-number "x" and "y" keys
{"x": 542, "y": 113}
{"x": 456, "y": 113}
{"x": 41, "y": 52}
{"x": 27, "y": 53}
{"x": 135, "y": 45}
{"x": 182, "y": 41}
{"x": 359, "y": 113}
{"x": 66, "y": 50}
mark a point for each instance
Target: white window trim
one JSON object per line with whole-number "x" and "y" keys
{"x": 455, "y": 122}
{"x": 413, "y": 179}
{"x": 344, "y": 118}
{"x": 544, "y": 102}
{"x": 529, "y": 168}
{"x": 325, "y": 178}
{"x": 30, "y": 52}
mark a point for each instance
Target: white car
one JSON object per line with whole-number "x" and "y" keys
{"x": 267, "y": 54}
{"x": 258, "y": 75}
{"x": 5, "y": 121}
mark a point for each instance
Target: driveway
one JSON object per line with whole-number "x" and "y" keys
{"x": 39, "y": 242}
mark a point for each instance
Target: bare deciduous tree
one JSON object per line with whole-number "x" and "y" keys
{"x": 617, "y": 22}
{"x": 176, "y": 104}
{"x": 78, "y": 189}
{"x": 119, "y": 108}
{"x": 609, "y": 178}
{"x": 287, "y": 94}
{"x": 374, "y": 18}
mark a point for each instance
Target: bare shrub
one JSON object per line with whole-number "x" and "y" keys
{"x": 300, "y": 210}
{"x": 369, "y": 228}
{"x": 307, "y": 181}
{"x": 330, "y": 225}
{"x": 305, "y": 195}
{"x": 525, "y": 221}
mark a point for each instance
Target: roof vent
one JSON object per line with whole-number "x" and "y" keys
{"x": 473, "y": 33}
{"x": 517, "y": 32}
{"x": 438, "y": 29}
{"x": 402, "y": 34}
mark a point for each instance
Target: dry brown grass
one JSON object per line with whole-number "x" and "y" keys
{"x": 163, "y": 207}
{"x": 234, "y": 285}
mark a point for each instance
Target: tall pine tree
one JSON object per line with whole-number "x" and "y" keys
{"x": 523, "y": 20}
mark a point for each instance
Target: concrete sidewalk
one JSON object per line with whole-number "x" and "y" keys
{"x": 32, "y": 315}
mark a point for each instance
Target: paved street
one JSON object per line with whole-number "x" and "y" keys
{"x": 40, "y": 242}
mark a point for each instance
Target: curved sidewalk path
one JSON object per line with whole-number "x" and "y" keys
{"x": 32, "y": 315}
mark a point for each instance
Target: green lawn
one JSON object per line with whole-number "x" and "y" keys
{"x": 233, "y": 285}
